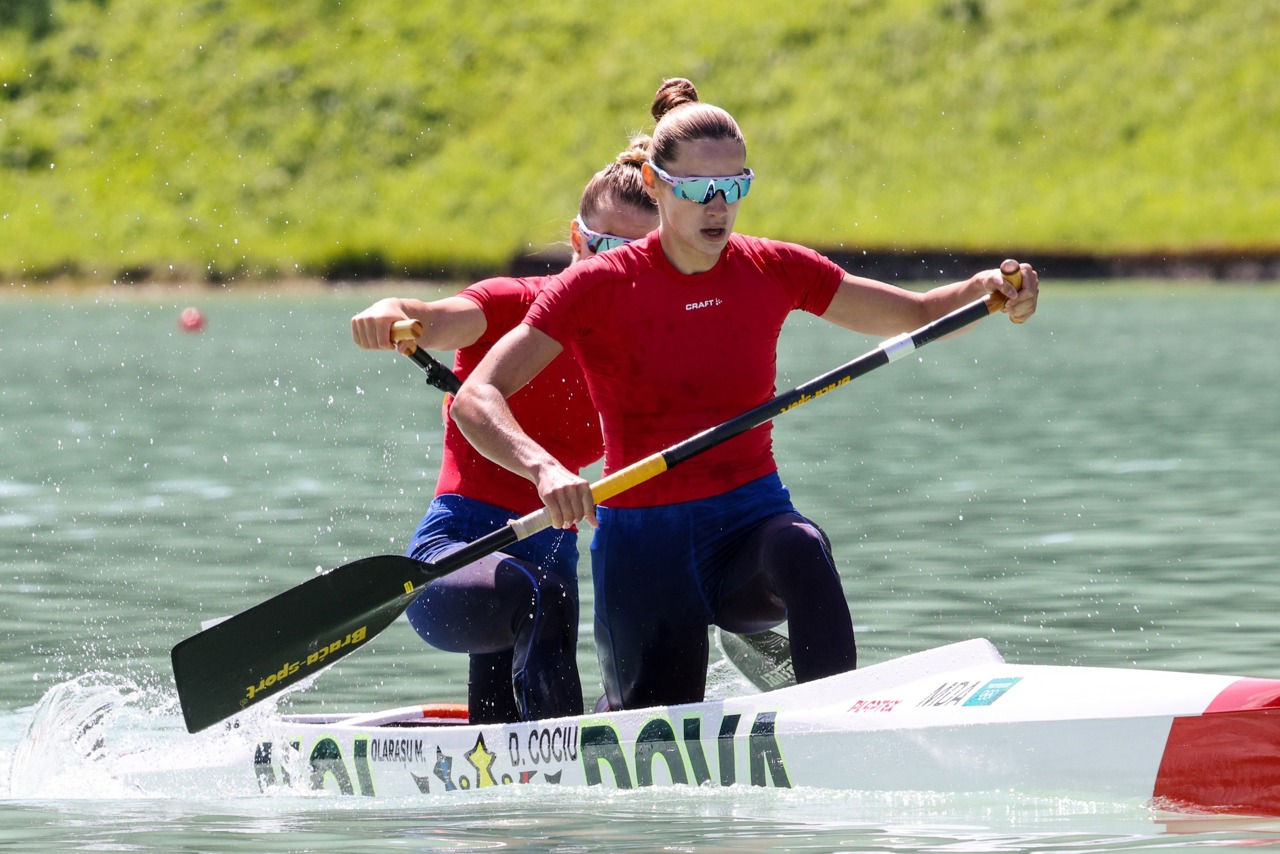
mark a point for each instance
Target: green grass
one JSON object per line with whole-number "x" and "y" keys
{"x": 226, "y": 139}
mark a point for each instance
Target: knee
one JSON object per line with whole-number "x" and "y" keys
{"x": 798, "y": 563}
{"x": 436, "y": 624}
{"x": 796, "y": 540}
{"x": 557, "y": 599}
{"x": 550, "y": 604}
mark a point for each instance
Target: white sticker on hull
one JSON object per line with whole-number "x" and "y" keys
{"x": 663, "y": 749}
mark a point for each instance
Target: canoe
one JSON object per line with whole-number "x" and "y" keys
{"x": 955, "y": 719}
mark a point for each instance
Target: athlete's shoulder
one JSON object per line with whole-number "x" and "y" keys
{"x": 808, "y": 277}
{"x": 504, "y": 300}
{"x": 505, "y": 288}
{"x": 623, "y": 264}
{"x": 628, "y": 260}
{"x": 775, "y": 251}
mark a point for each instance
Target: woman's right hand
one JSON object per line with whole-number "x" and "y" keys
{"x": 566, "y": 496}
{"x": 371, "y": 328}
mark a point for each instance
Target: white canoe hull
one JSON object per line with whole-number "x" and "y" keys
{"x": 957, "y": 719}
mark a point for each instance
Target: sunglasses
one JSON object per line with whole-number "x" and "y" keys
{"x": 598, "y": 241}
{"x": 703, "y": 190}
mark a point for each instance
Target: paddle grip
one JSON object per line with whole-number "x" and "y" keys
{"x": 405, "y": 330}
{"x": 1012, "y": 273}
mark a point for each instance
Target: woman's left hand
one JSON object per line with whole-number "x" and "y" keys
{"x": 1018, "y": 284}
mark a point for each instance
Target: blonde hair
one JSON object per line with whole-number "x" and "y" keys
{"x": 619, "y": 183}
{"x": 681, "y": 117}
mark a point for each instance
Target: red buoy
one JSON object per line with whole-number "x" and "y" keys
{"x": 191, "y": 319}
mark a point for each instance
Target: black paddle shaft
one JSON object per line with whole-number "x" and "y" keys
{"x": 437, "y": 374}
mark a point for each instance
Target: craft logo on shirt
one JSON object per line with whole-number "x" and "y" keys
{"x": 706, "y": 303}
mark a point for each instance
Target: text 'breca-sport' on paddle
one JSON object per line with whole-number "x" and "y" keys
{"x": 273, "y": 646}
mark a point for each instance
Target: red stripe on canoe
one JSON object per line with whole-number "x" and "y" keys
{"x": 1226, "y": 760}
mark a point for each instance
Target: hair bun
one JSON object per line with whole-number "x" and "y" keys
{"x": 637, "y": 153}
{"x": 673, "y": 93}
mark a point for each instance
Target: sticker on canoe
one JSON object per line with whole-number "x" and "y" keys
{"x": 694, "y": 750}
{"x": 874, "y": 706}
{"x": 992, "y": 691}
{"x": 948, "y": 694}
{"x": 968, "y": 693}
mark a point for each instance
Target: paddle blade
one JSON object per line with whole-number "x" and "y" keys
{"x": 273, "y": 646}
{"x": 763, "y": 658}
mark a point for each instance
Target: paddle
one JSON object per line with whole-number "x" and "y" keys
{"x": 764, "y": 658}
{"x": 275, "y": 645}
{"x": 371, "y": 607}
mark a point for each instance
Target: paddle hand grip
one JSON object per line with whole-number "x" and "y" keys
{"x": 405, "y": 330}
{"x": 1011, "y": 271}
{"x": 602, "y": 490}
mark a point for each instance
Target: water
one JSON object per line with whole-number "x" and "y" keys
{"x": 1097, "y": 487}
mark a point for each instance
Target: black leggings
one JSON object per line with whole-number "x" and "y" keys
{"x": 515, "y": 613}
{"x": 520, "y": 626}
{"x": 665, "y": 585}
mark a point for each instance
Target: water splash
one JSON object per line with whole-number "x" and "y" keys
{"x": 65, "y": 750}
{"x": 104, "y": 736}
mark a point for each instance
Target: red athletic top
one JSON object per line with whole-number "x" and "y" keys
{"x": 554, "y": 408}
{"x": 668, "y": 355}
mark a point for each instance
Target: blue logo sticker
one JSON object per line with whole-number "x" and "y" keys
{"x": 992, "y": 691}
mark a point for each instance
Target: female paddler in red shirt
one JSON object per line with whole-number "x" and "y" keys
{"x": 516, "y": 612}
{"x": 676, "y": 333}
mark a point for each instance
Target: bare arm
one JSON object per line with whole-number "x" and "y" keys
{"x": 481, "y": 411}
{"x": 447, "y": 324}
{"x": 875, "y": 308}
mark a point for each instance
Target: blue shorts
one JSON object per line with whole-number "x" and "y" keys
{"x": 745, "y": 560}
{"x": 514, "y": 612}
{"x": 453, "y": 521}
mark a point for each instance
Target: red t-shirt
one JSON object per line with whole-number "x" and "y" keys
{"x": 668, "y": 355}
{"x": 554, "y": 408}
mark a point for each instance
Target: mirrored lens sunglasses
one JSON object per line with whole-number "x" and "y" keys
{"x": 703, "y": 190}
{"x": 598, "y": 241}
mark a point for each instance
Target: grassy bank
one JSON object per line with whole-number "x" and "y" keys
{"x": 225, "y": 139}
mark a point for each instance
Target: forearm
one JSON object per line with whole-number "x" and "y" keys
{"x": 485, "y": 418}
{"x": 943, "y": 299}
{"x": 481, "y": 411}
{"x": 876, "y": 308}
{"x": 447, "y": 324}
